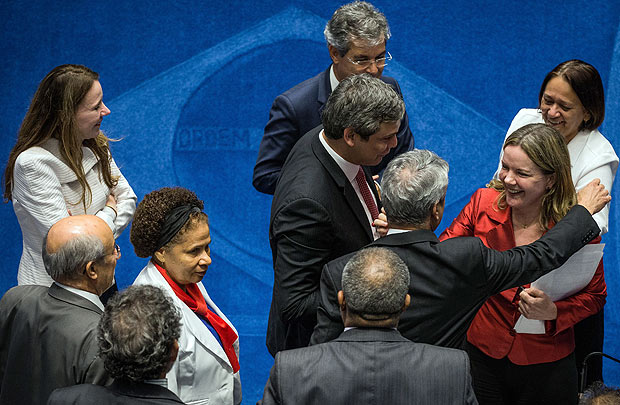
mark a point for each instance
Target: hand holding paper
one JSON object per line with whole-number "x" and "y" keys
{"x": 535, "y": 304}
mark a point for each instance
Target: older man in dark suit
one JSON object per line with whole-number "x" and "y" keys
{"x": 137, "y": 337}
{"x": 370, "y": 362}
{"x": 450, "y": 280}
{"x": 325, "y": 201}
{"x": 48, "y": 335}
{"x": 356, "y": 38}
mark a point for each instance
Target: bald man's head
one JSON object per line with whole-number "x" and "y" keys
{"x": 73, "y": 244}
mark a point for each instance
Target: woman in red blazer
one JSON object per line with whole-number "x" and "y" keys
{"x": 534, "y": 191}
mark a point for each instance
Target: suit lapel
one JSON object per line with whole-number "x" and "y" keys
{"x": 343, "y": 183}
{"x": 61, "y": 294}
{"x": 500, "y": 237}
{"x": 325, "y": 89}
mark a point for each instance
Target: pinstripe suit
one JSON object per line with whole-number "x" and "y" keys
{"x": 370, "y": 366}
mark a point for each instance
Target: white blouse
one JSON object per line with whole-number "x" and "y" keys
{"x": 591, "y": 157}
{"x": 46, "y": 190}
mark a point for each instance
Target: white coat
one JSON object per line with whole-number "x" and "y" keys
{"x": 202, "y": 373}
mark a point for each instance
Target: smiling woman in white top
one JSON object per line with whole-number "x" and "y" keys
{"x": 572, "y": 100}
{"x": 61, "y": 165}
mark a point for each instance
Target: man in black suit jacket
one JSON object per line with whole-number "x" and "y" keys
{"x": 47, "y": 335}
{"x": 318, "y": 211}
{"x": 137, "y": 337}
{"x": 371, "y": 363}
{"x": 450, "y": 280}
{"x": 356, "y": 38}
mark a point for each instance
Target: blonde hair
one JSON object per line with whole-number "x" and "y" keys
{"x": 547, "y": 150}
{"x": 52, "y": 115}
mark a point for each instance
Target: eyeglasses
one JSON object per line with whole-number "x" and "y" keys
{"x": 116, "y": 253}
{"x": 365, "y": 63}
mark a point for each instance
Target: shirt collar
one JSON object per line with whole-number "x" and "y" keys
{"x": 349, "y": 169}
{"x": 84, "y": 294}
{"x": 332, "y": 78}
{"x": 395, "y": 231}
{"x": 162, "y": 382}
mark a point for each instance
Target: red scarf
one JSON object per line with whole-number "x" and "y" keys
{"x": 194, "y": 299}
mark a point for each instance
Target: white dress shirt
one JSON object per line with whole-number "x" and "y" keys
{"x": 350, "y": 171}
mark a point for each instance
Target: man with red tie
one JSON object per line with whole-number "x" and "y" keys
{"x": 325, "y": 201}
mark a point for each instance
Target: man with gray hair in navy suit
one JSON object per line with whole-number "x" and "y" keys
{"x": 356, "y": 37}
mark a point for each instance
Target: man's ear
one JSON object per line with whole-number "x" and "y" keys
{"x": 334, "y": 54}
{"x": 407, "y": 302}
{"x": 91, "y": 271}
{"x": 341, "y": 302}
{"x": 349, "y": 136}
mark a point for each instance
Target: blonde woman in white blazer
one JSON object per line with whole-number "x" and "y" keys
{"x": 61, "y": 165}
{"x": 171, "y": 229}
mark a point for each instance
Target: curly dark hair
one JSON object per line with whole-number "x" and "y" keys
{"x": 151, "y": 213}
{"x": 137, "y": 332}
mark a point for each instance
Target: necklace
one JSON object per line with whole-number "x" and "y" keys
{"x": 521, "y": 225}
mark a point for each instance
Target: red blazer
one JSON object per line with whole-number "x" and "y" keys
{"x": 492, "y": 329}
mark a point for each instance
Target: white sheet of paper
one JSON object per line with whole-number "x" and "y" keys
{"x": 564, "y": 281}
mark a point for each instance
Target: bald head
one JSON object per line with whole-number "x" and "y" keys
{"x": 73, "y": 226}
{"x": 375, "y": 282}
{"x": 73, "y": 245}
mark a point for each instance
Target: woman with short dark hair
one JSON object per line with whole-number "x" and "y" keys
{"x": 572, "y": 100}
{"x": 171, "y": 229}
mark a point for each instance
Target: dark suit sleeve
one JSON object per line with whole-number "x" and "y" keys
{"x": 329, "y": 322}
{"x": 304, "y": 240}
{"x": 281, "y": 133}
{"x": 405, "y": 137}
{"x": 271, "y": 394}
{"x": 7, "y": 317}
{"x": 524, "y": 264}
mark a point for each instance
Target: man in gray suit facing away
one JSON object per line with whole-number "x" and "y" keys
{"x": 48, "y": 334}
{"x": 370, "y": 362}
{"x": 137, "y": 336}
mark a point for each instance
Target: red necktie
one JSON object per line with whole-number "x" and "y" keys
{"x": 366, "y": 194}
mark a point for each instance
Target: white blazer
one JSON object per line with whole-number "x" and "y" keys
{"x": 591, "y": 157}
{"x": 45, "y": 189}
{"x": 202, "y": 373}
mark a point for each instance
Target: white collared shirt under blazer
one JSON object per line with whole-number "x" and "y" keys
{"x": 45, "y": 189}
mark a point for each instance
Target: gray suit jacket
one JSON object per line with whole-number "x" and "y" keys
{"x": 47, "y": 341}
{"x": 370, "y": 366}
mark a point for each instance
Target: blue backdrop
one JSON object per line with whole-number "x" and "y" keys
{"x": 190, "y": 85}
